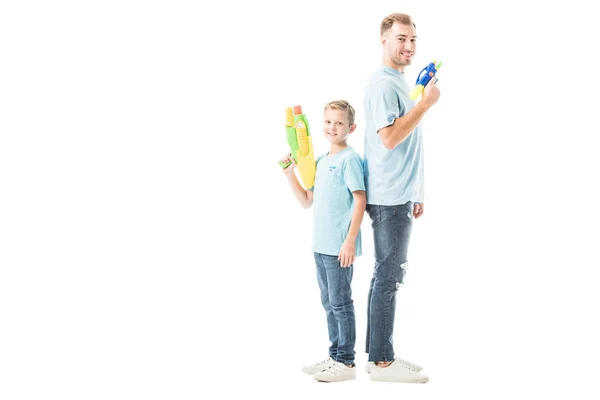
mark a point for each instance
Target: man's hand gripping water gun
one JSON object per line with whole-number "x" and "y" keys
{"x": 299, "y": 139}
{"x": 423, "y": 79}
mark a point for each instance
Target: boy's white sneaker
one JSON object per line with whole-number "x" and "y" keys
{"x": 397, "y": 372}
{"x": 416, "y": 367}
{"x": 336, "y": 372}
{"x": 311, "y": 369}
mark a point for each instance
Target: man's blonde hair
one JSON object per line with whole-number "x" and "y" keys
{"x": 388, "y": 21}
{"x": 344, "y": 106}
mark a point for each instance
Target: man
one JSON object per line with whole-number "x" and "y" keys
{"x": 394, "y": 181}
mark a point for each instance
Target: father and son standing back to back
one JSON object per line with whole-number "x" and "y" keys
{"x": 387, "y": 183}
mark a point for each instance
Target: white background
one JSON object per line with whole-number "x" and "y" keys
{"x": 150, "y": 247}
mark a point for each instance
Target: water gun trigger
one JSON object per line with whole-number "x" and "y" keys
{"x": 284, "y": 165}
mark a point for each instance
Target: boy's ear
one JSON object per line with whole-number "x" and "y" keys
{"x": 352, "y": 128}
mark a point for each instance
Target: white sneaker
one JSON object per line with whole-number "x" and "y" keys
{"x": 397, "y": 372}
{"x": 416, "y": 367}
{"x": 336, "y": 372}
{"x": 311, "y": 369}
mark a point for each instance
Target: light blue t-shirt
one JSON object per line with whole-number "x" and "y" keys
{"x": 337, "y": 177}
{"x": 394, "y": 176}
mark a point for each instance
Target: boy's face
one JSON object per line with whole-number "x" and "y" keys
{"x": 336, "y": 126}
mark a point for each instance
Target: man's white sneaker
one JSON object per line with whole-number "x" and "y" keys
{"x": 397, "y": 372}
{"x": 416, "y": 367}
{"x": 336, "y": 372}
{"x": 311, "y": 369}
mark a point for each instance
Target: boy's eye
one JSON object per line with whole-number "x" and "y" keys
{"x": 340, "y": 123}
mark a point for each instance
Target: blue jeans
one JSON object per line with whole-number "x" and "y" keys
{"x": 336, "y": 297}
{"x": 391, "y": 232}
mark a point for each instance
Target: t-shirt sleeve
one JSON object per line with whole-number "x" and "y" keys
{"x": 384, "y": 104}
{"x": 354, "y": 176}
{"x": 312, "y": 189}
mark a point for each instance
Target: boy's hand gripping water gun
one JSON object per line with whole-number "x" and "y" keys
{"x": 423, "y": 79}
{"x": 298, "y": 137}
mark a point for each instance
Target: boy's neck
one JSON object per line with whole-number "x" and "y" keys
{"x": 337, "y": 147}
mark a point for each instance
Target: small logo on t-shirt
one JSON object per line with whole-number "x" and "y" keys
{"x": 331, "y": 168}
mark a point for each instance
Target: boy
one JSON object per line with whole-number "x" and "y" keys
{"x": 340, "y": 200}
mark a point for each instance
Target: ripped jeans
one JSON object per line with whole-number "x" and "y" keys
{"x": 391, "y": 232}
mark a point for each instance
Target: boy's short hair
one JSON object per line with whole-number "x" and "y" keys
{"x": 388, "y": 21}
{"x": 344, "y": 106}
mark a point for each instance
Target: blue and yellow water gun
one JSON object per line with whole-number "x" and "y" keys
{"x": 423, "y": 79}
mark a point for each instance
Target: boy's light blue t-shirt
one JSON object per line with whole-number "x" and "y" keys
{"x": 394, "y": 176}
{"x": 337, "y": 177}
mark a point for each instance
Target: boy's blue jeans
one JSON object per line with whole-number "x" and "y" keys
{"x": 336, "y": 297}
{"x": 391, "y": 232}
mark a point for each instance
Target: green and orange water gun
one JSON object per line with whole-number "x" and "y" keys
{"x": 300, "y": 142}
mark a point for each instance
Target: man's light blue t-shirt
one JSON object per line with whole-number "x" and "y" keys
{"x": 337, "y": 177}
{"x": 394, "y": 176}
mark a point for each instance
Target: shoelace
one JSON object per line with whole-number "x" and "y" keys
{"x": 406, "y": 364}
{"x": 336, "y": 368}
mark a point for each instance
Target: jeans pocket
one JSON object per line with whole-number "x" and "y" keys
{"x": 374, "y": 212}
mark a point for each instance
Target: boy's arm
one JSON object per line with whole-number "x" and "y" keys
{"x": 305, "y": 197}
{"x": 360, "y": 204}
{"x": 347, "y": 252}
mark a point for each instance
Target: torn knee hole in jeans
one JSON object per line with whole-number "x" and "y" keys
{"x": 400, "y": 282}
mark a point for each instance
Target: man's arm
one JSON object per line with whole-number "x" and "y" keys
{"x": 418, "y": 210}
{"x": 392, "y": 135}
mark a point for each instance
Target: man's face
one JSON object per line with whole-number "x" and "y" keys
{"x": 400, "y": 44}
{"x": 336, "y": 127}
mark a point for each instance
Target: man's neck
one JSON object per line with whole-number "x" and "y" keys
{"x": 397, "y": 67}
